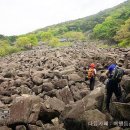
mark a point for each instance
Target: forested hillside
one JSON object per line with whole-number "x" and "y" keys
{"x": 112, "y": 25}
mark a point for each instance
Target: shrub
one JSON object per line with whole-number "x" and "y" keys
{"x": 55, "y": 43}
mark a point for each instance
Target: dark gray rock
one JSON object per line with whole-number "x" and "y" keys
{"x": 59, "y": 84}
{"x": 47, "y": 86}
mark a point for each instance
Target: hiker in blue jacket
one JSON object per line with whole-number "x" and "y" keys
{"x": 114, "y": 74}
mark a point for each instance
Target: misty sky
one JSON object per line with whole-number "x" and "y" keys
{"x": 23, "y": 16}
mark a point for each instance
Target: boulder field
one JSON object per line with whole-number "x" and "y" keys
{"x": 45, "y": 89}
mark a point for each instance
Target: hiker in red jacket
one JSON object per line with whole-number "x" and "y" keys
{"x": 91, "y": 75}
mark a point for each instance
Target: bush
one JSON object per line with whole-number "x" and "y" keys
{"x": 46, "y": 36}
{"x": 74, "y": 36}
{"x": 6, "y": 48}
{"x": 22, "y": 41}
{"x": 124, "y": 43}
{"x": 55, "y": 43}
{"x": 33, "y": 39}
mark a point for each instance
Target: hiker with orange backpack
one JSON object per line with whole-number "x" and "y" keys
{"x": 91, "y": 75}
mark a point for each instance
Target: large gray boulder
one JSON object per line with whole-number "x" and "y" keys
{"x": 65, "y": 95}
{"x": 126, "y": 83}
{"x": 24, "y": 109}
{"x": 90, "y": 119}
{"x": 122, "y": 110}
{"x": 61, "y": 83}
{"x": 68, "y": 70}
{"x": 74, "y": 77}
{"x": 50, "y": 109}
{"x": 92, "y": 101}
{"x": 54, "y": 104}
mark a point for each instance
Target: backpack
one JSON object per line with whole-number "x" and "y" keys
{"x": 90, "y": 73}
{"x": 117, "y": 74}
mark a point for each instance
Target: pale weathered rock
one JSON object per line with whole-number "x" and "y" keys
{"x": 55, "y": 121}
{"x": 67, "y": 71}
{"x": 92, "y": 101}
{"x": 34, "y": 127}
{"x": 1, "y": 105}
{"x": 54, "y": 104}
{"x": 74, "y": 77}
{"x": 29, "y": 105}
{"x": 65, "y": 95}
{"x": 6, "y": 100}
{"x": 37, "y": 80}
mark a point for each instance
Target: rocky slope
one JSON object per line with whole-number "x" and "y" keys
{"x": 44, "y": 89}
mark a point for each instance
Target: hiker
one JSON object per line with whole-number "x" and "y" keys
{"x": 114, "y": 74}
{"x": 91, "y": 75}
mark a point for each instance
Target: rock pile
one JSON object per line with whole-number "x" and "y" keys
{"x": 44, "y": 89}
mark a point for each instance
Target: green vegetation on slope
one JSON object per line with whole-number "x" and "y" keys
{"x": 6, "y": 48}
{"x": 106, "y": 25}
{"x": 112, "y": 25}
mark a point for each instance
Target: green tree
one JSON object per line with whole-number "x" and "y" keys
{"x": 54, "y": 42}
{"x": 23, "y": 41}
{"x": 12, "y": 38}
{"x": 74, "y": 36}
{"x": 123, "y": 35}
{"x": 33, "y": 39}
{"x": 6, "y": 48}
{"x": 46, "y": 36}
{"x": 107, "y": 29}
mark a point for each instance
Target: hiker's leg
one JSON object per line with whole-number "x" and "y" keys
{"x": 117, "y": 92}
{"x": 92, "y": 83}
{"x": 109, "y": 92}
